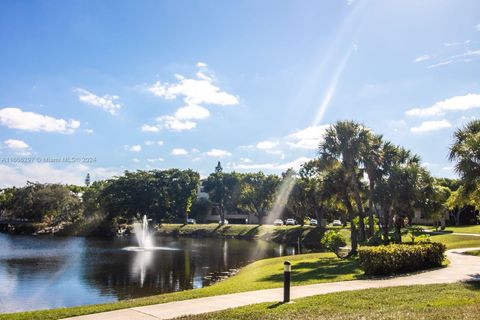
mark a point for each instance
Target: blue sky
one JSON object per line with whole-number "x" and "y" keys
{"x": 160, "y": 84}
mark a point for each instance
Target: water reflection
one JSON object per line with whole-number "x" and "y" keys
{"x": 46, "y": 272}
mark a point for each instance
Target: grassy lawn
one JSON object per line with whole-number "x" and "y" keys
{"x": 453, "y": 241}
{"x": 452, "y": 301}
{"x": 473, "y": 253}
{"x": 262, "y": 274}
{"x": 465, "y": 229}
{"x": 284, "y": 234}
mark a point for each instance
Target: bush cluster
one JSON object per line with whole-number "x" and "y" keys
{"x": 401, "y": 258}
{"x": 332, "y": 240}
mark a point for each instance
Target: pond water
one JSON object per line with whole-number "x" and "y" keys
{"x": 41, "y": 272}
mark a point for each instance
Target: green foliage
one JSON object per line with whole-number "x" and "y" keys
{"x": 401, "y": 258}
{"x": 37, "y": 202}
{"x": 257, "y": 193}
{"x": 332, "y": 240}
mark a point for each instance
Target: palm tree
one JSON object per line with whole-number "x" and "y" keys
{"x": 344, "y": 141}
{"x": 336, "y": 185}
{"x": 372, "y": 161}
{"x": 466, "y": 151}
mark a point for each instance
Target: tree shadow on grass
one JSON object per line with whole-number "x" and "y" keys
{"x": 474, "y": 285}
{"x": 322, "y": 269}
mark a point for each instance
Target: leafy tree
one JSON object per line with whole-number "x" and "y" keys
{"x": 257, "y": 193}
{"x": 87, "y": 180}
{"x": 344, "y": 142}
{"x": 223, "y": 189}
{"x": 466, "y": 152}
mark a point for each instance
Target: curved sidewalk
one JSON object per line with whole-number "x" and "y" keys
{"x": 462, "y": 268}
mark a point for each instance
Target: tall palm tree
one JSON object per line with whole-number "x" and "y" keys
{"x": 344, "y": 142}
{"x": 336, "y": 185}
{"x": 466, "y": 152}
{"x": 372, "y": 161}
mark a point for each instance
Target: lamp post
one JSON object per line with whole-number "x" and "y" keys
{"x": 287, "y": 268}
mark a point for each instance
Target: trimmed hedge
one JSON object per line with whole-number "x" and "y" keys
{"x": 401, "y": 258}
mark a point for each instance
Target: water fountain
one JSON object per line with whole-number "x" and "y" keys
{"x": 144, "y": 238}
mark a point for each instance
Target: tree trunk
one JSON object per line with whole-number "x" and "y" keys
{"x": 371, "y": 221}
{"x": 386, "y": 223}
{"x": 353, "y": 230}
{"x": 358, "y": 202}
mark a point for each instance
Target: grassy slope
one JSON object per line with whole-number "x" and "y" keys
{"x": 267, "y": 273}
{"x": 452, "y": 301}
{"x": 473, "y": 253}
{"x": 286, "y": 234}
{"x": 465, "y": 229}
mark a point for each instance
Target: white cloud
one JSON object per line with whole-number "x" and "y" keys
{"x": 266, "y": 145}
{"x": 477, "y": 27}
{"x": 350, "y": 2}
{"x": 458, "y": 103}
{"x": 151, "y": 143}
{"x": 246, "y": 160}
{"x": 308, "y": 138}
{"x": 194, "y": 92}
{"x": 15, "y": 144}
{"x": 107, "y": 102}
{"x": 192, "y": 112}
{"x": 295, "y": 164}
{"x": 427, "y": 126}
{"x": 89, "y": 131}
{"x": 136, "y": 160}
{"x": 175, "y": 124}
{"x": 45, "y": 173}
{"x": 422, "y": 58}
{"x": 149, "y": 128}
{"x": 135, "y": 148}
{"x": 218, "y": 153}
{"x": 179, "y": 152}
{"x": 155, "y": 159}
{"x": 15, "y": 118}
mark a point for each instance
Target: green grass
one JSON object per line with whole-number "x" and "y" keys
{"x": 465, "y": 229}
{"x": 262, "y": 274}
{"x": 473, "y": 253}
{"x": 452, "y": 301}
{"x": 453, "y": 241}
{"x": 283, "y": 234}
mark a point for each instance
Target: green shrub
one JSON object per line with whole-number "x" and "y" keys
{"x": 332, "y": 240}
{"x": 401, "y": 258}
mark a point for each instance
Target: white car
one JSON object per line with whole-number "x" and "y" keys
{"x": 290, "y": 222}
{"x": 337, "y": 223}
{"x": 313, "y": 222}
{"x": 278, "y": 222}
{"x": 191, "y": 221}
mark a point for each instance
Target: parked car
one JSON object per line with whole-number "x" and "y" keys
{"x": 191, "y": 221}
{"x": 224, "y": 221}
{"x": 313, "y": 222}
{"x": 278, "y": 222}
{"x": 337, "y": 223}
{"x": 290, "y": 222}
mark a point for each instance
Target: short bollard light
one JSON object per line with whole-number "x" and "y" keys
{"x": 287, "y": 268}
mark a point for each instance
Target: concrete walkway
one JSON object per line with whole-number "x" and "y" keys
{"x": 462, "y": 268}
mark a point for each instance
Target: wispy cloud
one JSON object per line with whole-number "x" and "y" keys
{"x": 15, "y": 118}
{"x": 134, "y": 148}
{"x": 179, "y": 152}
{"x": 218, "y": 153}
{"x": 458, "y": 103}
{"x": 107, "y": 102}
{"x": 427, "y": 126}
{"x": 267, "y": 145}
{"x": 295, "y": 164}
{"x": 308, "y": 138}
{"x": 424, "y": 57}
{"x": 15, "y": 144}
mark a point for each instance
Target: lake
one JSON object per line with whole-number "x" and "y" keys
{"x": 42, "y": 272}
